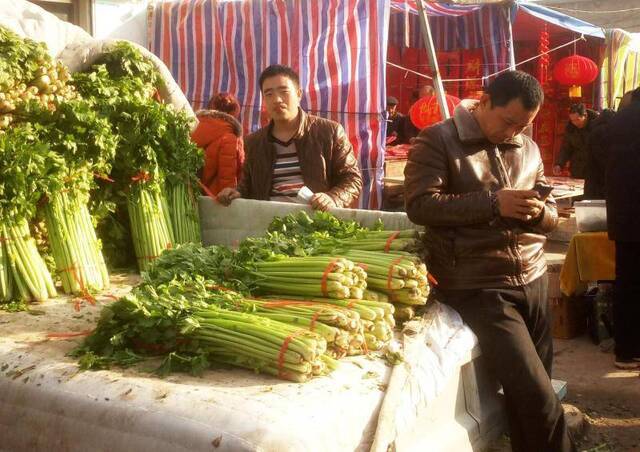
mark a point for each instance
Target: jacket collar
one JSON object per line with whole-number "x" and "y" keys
{"x": 469, "y": 130}
{"x": 302, "y": 126}
{"x": 215, "y": 114}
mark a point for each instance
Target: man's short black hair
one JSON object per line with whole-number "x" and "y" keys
{"x": 578, "y": 109}
{"x": 515, "y": 85}
{"x": 278, "y": 69}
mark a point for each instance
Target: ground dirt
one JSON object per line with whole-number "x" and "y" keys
{"x": 609, "y": 398}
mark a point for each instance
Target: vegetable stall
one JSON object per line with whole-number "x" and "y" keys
{"x": 275, "y": 340}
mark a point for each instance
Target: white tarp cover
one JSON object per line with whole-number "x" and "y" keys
{"x": 75, "y": 47}
{"x": 248, "y": 218}
{"x": 46, "y": 403}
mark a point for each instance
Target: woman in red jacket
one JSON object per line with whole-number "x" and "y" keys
{"x": 220, "y": 135}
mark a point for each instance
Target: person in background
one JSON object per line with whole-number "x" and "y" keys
{"x": 395, "y": 123}
{"x": 623, "y": 225}
{"x": 574, "y": 148}
{"x": 296, "y": 150}
{"x": 220, "y": 135}
{"x": 597, "y": 155}
{"x": 425, "y": 91}
{"x": 598, "y": 145}
{"x": 472, "y": 181}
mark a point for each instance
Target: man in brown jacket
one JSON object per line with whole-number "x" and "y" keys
{"x": 475, "y": 182}
{"x": 296, "y": 150}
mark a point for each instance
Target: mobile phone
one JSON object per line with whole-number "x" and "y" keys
{"x": 543, "y": 190}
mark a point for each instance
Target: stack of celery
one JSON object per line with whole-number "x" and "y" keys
{"x": 27, "y": 168}
{"x": 384, "y": 241}
{"x": 314, "y": 276}
{"x": 402, "y": 276}
{"x": 188, "y": 323}
{"x": 251, "y": 341}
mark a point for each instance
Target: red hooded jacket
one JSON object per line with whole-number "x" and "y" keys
{"x": 220, "y": 135}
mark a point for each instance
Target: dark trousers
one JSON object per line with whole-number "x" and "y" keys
{"x": 626, "y": 300}
{"x": 513, "y": 328}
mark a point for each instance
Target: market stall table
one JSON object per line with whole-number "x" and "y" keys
{"x": 590, "y": 258}
{"x": 47, "y": 403}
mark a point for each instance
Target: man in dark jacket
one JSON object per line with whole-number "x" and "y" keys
{"x": 623, "y": 221}
{"x": 574, "y": 147}
{"x": 597, "y": 155}
{"x": 395, "y": 123}
{"x": 470, "y": 181}
{"x": 296, "y": 150}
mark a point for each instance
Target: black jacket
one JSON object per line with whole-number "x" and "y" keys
{"x": 574, "y": 147}
{"x": 395, "y": 125}
{"x": 597, "y": 156}
{"x": 623, "y": 175}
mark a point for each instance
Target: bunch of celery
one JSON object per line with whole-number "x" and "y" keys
{"x": 402, "y": 276}
{"x": 247, "y": 340}
{"x": 317, "y": 276}
{"x": 187, "y": 322}
{"x": 383, "y": 241}
{"x": 27, "y": 169}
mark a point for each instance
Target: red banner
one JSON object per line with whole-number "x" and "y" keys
{"x": 472, "y": 63}
{"x": 545, "y": 134}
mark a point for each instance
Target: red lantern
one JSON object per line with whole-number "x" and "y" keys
{"x": 426, "y": 111}
{"x": 575, "y": 70}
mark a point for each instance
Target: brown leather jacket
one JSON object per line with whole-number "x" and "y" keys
{"x": 451, "y": 172}
{"x": 326, "y": 159}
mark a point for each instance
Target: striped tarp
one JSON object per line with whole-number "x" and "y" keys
{"x": 338, "y": 47}
{"x": 434, "y": 8}
{"x": 486, "y": 28}
{"x": 620, "y": 70}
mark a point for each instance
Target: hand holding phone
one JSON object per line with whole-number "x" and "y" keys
{"x": 543, "y": 190}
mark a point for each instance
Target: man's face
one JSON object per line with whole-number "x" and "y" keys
{"x": 578, "y": 120}
{"x": 425, "y": 91}
{"x": 501, "y": 124}
{"x": 391, "y": 108}
{"x": 281, "y": 98}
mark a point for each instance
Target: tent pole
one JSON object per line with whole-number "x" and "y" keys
{"x": 512, "y": 47}
{"x": 433, "y": 61}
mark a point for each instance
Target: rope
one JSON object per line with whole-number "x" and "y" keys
{"x": 485, "y": 77}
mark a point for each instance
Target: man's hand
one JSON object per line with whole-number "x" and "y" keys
{"x": 522, "y": 205}
{"x": 557, "y": 170}
{"x": 322, "y": 201}
{"x": 226, "y": 195}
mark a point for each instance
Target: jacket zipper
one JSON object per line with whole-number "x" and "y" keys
{"x": 513, "y": 239}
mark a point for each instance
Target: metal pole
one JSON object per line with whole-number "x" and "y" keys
{"x": 433, "y": 61}
{"x": 512, "y": 49}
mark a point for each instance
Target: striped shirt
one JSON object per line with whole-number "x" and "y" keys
{"x": 287, "y": 175}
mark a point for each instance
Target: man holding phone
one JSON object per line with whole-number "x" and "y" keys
{"x": 476, "y": 183}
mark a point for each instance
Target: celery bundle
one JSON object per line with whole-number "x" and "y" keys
{"x": 318, "y": 276}
{"x": 375, "y": 324}
{"x": 247, "y": 340}
{"x": 191, "y": 325}
{"x": 402, "y": 276}
{"x": 384, "y": 241}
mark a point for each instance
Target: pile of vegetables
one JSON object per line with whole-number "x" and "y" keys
{"x": 197, "y": 306}
{"x": 52, "y": 142}
{"x": 156, "y": 164}
{"x": 73, "y": 149}
{"x": 27, "y": 168}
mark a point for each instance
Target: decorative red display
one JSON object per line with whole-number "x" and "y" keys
{"x": 426, "y": 111}
{"x": 575, "y": 70}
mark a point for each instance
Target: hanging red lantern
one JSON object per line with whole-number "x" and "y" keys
{"x": 575, "y": 70}
{"x": 426, "y": 111}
